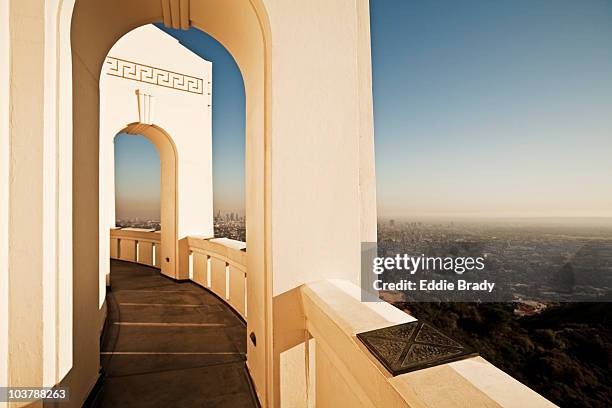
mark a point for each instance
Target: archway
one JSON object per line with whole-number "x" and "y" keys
{"x": 168, "y": 192}
{"x": 243, "y": 29}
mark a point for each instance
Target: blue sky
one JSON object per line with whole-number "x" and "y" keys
{"x": 494, "y": 108}
{"x": 481, "y": 107}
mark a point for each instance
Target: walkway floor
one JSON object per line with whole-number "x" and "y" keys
{"x": 170, "y": 344}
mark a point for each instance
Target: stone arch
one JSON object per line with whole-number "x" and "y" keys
{"x": 93, "y": 27}
{"x": 168, "y": 158}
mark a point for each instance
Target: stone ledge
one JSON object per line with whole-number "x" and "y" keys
{"x": 335, "y": 315}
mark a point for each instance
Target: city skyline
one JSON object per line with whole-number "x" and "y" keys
{"x": 482, "y": 109}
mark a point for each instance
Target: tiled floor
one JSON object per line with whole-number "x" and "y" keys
{"x": 170, "y": 344}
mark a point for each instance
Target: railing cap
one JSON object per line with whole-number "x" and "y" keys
{"x": 138, "y": 229}
{"x": 334, "y": 309}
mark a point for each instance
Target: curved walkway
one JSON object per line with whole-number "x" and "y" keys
{"x": 170, "y": 344}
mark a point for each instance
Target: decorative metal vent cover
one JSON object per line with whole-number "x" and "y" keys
{"x": 413, "y": 346}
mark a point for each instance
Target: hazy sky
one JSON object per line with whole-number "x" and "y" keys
{"x": 493, "y": 107}
{"x": 482, "y": 107}
{"x": 137, "y": 173}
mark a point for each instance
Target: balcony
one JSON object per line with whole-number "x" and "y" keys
{"x": 171, "y": 343}
{"x": 178, "y": 338}
{"x": 217, "y": 264}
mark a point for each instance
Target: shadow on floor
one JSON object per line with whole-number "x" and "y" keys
{"x": 170, "y": 344}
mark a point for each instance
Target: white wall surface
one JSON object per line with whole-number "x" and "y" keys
{"x": 315, "y": 142}
{"x": 4, "y": 191}
{"x": 26, "y": 199}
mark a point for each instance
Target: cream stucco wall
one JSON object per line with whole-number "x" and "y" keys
{"x": 316, "y": 141}
{"x": 36, "y": 282}
{"x": 323, "y": 160}
{"x": 185, "y": 116}
{"x": 4, "y": 192}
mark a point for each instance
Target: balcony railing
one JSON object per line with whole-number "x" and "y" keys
{"x": 136, "y": 245}
{"x": 218, "y": 264}
{"x": 346, "y": 373}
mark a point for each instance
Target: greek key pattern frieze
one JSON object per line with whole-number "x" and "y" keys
{"x": 121, "y": 68}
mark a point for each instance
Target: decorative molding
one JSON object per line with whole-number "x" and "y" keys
{"x": 145, "y": 107}
{"x": 175, "y": 14}
{"x": 121, "y": 68}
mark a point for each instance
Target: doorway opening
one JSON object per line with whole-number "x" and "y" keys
{"x": 145, "y": 202}
{"x": 137, "y": 183}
